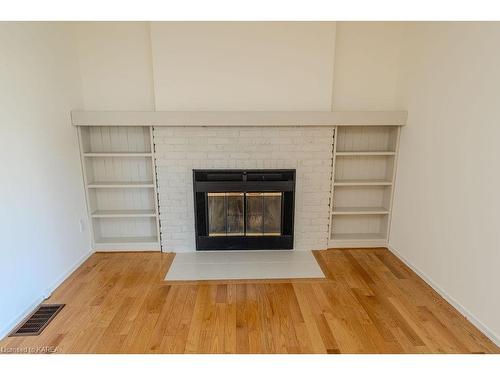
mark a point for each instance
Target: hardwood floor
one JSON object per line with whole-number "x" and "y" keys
{"x": 370, "y": 303}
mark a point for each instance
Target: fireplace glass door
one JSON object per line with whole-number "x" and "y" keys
{"x": 263, "y": 214}
{"x": 225, "y": 214}
{"x": 244, "y": 214}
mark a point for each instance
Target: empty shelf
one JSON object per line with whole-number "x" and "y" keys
{"x": 124, "y": 213}
{"x": 358, "y": 236}
{"x": 365, "y": 153}
{"x": 126, "y": 240}
{"x": 360, "y": 211}
{"x": 369, "y": 182}
{"x": 98, "y": 185}
{"x": 117, "y": 154}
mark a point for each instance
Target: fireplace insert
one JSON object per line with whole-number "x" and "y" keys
{"x": 244, "y": 209}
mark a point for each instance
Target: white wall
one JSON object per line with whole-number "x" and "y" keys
{"x": 447, "y": 206}
{"x": 42, "y": 191}
{"x": 115, "y": 65}
{"x": 366, "y": 66}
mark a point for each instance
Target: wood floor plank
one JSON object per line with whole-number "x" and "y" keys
{"x": 266, "y": 314}
{"x": 314, "y": 335}
{"x": 370, "y": 302}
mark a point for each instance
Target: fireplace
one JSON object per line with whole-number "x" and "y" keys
{"x": 244, "y": 209}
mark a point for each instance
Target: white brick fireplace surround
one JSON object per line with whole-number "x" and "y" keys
{"x": 179, "y": 150}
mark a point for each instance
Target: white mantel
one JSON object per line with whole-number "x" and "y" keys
{"x": 238, "y": 118}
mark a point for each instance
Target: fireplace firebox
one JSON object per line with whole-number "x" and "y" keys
{"x": 244, "y": 209}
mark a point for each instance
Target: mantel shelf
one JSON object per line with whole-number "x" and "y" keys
{"x": 238, "y": 118}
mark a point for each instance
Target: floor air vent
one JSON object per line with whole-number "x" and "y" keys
{"x": 37, "y": 321}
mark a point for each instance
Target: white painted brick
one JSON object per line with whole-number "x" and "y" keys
{"x": 181, "y": 149}
{"x": 171, "y": 155}
{"x": 251, "y": 133}
{"x": 281, "y": 140}
{"x": 196, "y": 155}
{"x": 289, "y": 132}
{"x": 175, "y": 140}
{"x": 239, "y": 155}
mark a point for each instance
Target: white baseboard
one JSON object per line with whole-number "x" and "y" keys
{"x": 72, "y": 269}
{"x": 33, "y": 304}
{"x": 466, "y": 313}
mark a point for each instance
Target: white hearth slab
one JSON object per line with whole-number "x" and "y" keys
{"x": 237, "y": 265}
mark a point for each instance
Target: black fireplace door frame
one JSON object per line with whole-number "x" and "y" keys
{"x": 244, "y": 181}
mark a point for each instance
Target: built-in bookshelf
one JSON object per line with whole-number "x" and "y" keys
{"x": 364, "y": 166}
{"x": 119, "y": 176}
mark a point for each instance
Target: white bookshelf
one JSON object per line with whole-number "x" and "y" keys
{"x": 364, "y": 168}
{"x": 119, "y": 176}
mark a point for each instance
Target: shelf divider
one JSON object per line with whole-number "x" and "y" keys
{"x": 104, "y": 185}
{"x": 117, "y": 154}
{"x": 123, "y": 213}
{"x": 369, "y": 182}
{"x": 366, "y": 153}
{"x": 360, "y": 211}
